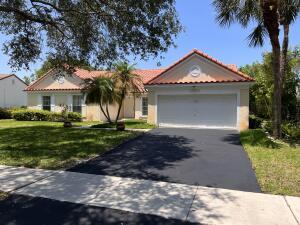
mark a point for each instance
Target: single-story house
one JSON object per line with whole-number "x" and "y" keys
{"x": 196, "y": 91}
{"x": 12, "y": 91}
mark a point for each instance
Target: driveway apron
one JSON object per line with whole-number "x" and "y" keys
{"x": 211, "y": 158}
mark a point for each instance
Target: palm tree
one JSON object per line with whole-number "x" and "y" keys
{"x": 125, "y": 82}
{"x": 100, "y": 90}
{"x": 268, "y": 15}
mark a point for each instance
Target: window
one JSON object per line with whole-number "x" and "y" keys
{"x": 145, "y": 106}
{"x": 47, "y": 103}
{"x": 76, "y": 103}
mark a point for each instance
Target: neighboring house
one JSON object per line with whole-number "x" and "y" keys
{"x": 196, "y": 91}
{"x": 12, "y": 92}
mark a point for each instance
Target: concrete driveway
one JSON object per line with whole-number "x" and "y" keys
{"x": 212, "y": 158}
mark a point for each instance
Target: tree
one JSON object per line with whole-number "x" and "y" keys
{"x": 27, "y": 80}
{"x": 262, "y": 91}
{"x": 95, "y": 31}
{"x": 100, "y": 90}
{"x": 125, "y": 82}
{"x": 268, "y": 15}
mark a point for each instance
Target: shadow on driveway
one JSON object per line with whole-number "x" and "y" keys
{"x": 212, "y": 158}
{"x": 25, "y": 210}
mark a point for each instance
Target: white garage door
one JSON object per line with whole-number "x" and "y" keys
{"x": 215, "y": 111}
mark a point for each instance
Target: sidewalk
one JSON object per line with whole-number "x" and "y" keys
{"x": 169, "y": 200}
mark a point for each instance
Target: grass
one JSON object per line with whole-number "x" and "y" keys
{"x": 13, "y": 123}
{"x": 129, "y": 123}
{"x": 276, "y": 163}
{"x": 50, "y": 146}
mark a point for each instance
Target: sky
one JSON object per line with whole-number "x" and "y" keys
{"x": 227, "y": 44}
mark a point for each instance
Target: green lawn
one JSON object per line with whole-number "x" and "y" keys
{"x": 276, "y": 164}
{"x": 129, "y": 123}
{"x": 48, "y": 145}
{"x": 14, "y": 123}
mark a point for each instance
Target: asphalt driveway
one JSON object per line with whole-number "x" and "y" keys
{"x": 212, "y": 158}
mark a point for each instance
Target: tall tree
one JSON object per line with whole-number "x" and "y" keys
{"x": 268, "y": 15}
{"x": 125, "y": 82}
{"x": 96, "y": 31}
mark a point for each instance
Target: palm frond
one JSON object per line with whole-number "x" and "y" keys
{"x": 226, "y": 11}
{"x": 256, "y": 38}
{"x": 248, "y": 11}
{"x": 289, "y": 10}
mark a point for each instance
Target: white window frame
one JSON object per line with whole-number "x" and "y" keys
{"x": 73, "y": 105}
{"x": 46, "y": 105}
{"x": 142, "y": 106}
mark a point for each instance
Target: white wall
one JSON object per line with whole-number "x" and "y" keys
{"x": 58, "y": 98}
{"x": 217, "y": 88}
{"x": 138, "y": 106}
{"x": 12, "y": 92}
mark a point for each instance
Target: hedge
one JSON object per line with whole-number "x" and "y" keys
{"x": 5, "y": 114}
{"x": 74, "y": 116}
{"x": 43, "y": 115}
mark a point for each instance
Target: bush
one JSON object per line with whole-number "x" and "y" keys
{"x": 266, "y": 125}
{"x": 255, "y": 122}
{"x": 291, "y": 131}
{"x": 74, "y": 116}
{"x": 42, "y": 115}
{"x": 30, "y": 115}
{"x": 5, "y": 114}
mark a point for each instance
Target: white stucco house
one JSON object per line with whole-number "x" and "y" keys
{"x": 195, "y": 91}
{"x": 12, "y": 92}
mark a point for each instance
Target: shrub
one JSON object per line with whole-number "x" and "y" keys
{"x": 74, "y": 117}
{"x": 5, "y": 114}
{"x": 28, "y": 115}
{"x": 291, "y": 131}
{"x": 255, "y": 122}
{"x": 43, "y": 115}
{"x": 266, "y": 125}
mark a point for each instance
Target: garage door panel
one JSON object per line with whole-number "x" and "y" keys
{"x": 197, "y": 110}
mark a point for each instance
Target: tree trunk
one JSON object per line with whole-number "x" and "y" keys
{"x": 276, "y": 119}
{"x": 285, "y": 47}
{"x": 271, "y": 22}
{"x": 107, "y": 113}
{"x": 102, "y": 110}
{"x": 120, "y": 106}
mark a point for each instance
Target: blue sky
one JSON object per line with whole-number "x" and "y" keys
{"x": 229, "y": 45}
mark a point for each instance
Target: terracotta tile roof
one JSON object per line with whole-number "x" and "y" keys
{"x": 146, "y": 75}
{"x": 152, "y": 76}
{"x": 233, "y": 68}
{"x": 85, "y": 74}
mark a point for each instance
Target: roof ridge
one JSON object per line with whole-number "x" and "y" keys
{"x": 152, "y": 69}
{"x": 212, "y": 59}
